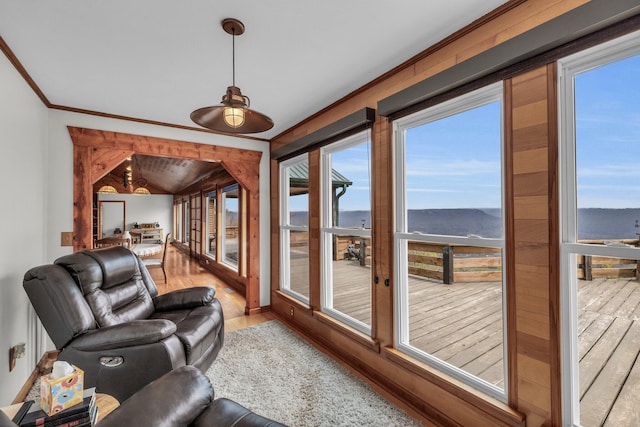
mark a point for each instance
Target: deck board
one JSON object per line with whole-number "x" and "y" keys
{"x": 601, "y": 395}
{"x": 462, "y": 325}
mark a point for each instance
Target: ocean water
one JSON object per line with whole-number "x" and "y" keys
{"x": 593, "y": 223}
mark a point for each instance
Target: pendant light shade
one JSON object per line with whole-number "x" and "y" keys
{"x": 233, "y": 115}
{"x": 107, "y": 189}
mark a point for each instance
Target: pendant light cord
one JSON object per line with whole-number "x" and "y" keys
{"x": 233, "y": 54}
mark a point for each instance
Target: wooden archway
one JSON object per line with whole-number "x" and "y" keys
{"x": 96, "y": 152}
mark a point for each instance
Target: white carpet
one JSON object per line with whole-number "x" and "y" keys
{"x": 272, "y": 371}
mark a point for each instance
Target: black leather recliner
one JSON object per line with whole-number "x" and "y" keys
{"x": 102, "y": 311}
{"x": 183, "y": 397}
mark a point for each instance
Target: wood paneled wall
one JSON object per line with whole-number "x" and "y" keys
{"x": 533, "y": 242}
{"x": 532, "y": 236}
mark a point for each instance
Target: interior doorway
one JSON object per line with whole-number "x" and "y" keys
{"x": 97, "y": 152}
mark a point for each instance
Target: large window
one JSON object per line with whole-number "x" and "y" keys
{"x": 346, "y": 231}
{"x": 231, "y": 223}
{"x": 294, "y": 227}
{"x": 600, "y": 205}
{"x": 449, "y": 238}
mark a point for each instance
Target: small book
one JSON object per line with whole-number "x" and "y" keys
{"x": 37, "y": 417}
{"x": 71, "y": 420}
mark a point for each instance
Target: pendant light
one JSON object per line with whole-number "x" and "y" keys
{"x": 233, "y": 115}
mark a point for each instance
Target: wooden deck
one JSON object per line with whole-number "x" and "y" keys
{"x": 462, "y": 325}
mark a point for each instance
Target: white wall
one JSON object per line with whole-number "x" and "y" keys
{"x": 140, "y": 209}
{"x": 23, "y": 134}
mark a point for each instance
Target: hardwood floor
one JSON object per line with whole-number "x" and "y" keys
{"x": 184, "y": 272}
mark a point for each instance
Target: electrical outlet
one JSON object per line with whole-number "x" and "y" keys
{"x": 291, "y": 311}
{"x": 16, "y": 352}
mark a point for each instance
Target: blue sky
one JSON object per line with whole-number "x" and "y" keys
{"x": 455, "y": 162}
{"x": 608, "y": 135}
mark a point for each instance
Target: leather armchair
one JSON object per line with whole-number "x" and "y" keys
{"x": 183, "y": 397}
{"x": 102, "y": 311}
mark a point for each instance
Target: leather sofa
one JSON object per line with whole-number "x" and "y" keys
{"x": 182, "y": 397}
{"x": 102, "y": 311}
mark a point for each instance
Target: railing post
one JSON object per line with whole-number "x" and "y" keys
{"x": 587, "y": 268}
{"x": 447, "y": 265}
{"x": 363, "y": 252}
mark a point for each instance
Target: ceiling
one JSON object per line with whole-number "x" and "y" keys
{"x": 160, "y": 175}
{"x": 160, "y": 60}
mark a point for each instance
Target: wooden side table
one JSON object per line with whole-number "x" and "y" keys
{"x": 105, "y": 402}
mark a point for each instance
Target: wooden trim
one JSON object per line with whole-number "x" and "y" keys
{"x": 382, "y": 216}
{"x": 615, "y": 30}
{"x": 294, "y": 302}
{"x": 243, "y": 165}
{"x": 349, "y": 125}
{"x": 354, "y": 334}
{"x": 4, "y": 47}
{"x": 499, "y": 410}
{"x": 510, "y": 249}
{"x": 149, "y": 122}
{"x": 315, "y": 204}
{"x": 555, "y": 327}
{"x": 560, "y": 30}
{"x": 274, "y": 220}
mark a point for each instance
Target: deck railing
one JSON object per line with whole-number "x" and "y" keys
{"x": 466, "y": 264}
{"x": 596, "y": 267}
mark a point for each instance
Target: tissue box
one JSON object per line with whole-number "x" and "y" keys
{"x": 61, "y": 393}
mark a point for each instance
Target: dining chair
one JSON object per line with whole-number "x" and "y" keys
{"x": 159, "y": 262}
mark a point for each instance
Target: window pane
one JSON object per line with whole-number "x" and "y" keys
{"x": 231, "y": 222}
{"x": 608, "y": 150}
{"x": 449, "y": 285}
{"x": 453, "y": 174}
{"x": 455, "y": 306}
{"x": 346, "y": 254}
{"x": 351, "y": 277}
{"x": 608, "y": 339}
{"x": 351, "y": 186}
{"x": 299, "y": 262}
{"x": 294, "y": 229}
{"x": 607, "y": 146}
{"x": 211, "y": 225}
{"x": 298, "y": 174}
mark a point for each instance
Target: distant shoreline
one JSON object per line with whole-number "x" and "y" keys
{"x": 593, "y": 223}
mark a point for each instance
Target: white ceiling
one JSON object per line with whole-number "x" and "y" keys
{"x": 161, "y": 59}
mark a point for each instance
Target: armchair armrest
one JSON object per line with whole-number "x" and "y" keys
{"x": 136, "y": 332}
{"x": 184, "y": 298}
{"x": 174, "y": 399}
{"x": 227, "y": 413}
